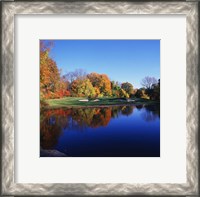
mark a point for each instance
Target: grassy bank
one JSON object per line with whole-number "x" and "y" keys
{"x": 106, "y": 101}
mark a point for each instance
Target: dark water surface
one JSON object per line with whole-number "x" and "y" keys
{"x": 117, "y": 131}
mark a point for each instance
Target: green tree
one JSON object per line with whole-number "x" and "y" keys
{"x": 115, "y": 88}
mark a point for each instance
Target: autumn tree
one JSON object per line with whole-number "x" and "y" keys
{"x": 101, "y": 82}
{"x": 105, "y": 87}
{"x": 63, "y": 89}
{"x": 49, "y": 74}
{"x": 82, "y": 87}
{"x": 51, "y": 84}
{"x": 128, "y": 87}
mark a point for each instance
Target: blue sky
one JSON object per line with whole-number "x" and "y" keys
{"x": 122, "y": 60}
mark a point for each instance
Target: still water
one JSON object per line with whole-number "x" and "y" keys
{"x": 117, "y": 131}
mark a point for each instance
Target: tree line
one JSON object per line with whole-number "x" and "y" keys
{"x": 93, "y": 85}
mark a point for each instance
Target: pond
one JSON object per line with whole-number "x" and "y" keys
{"x": 114, "y": 131}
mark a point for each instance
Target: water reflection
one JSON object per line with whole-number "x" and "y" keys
{"x": 151, "y": 113}
{"x": 53, "y": 122}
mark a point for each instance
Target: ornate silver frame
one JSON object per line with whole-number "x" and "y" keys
{"x": 10, "y": 9}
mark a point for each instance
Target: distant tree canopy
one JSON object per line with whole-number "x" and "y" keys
{"x": 80, "y": 84}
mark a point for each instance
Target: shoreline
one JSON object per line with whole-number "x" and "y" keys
{"x": 67, "y": 106}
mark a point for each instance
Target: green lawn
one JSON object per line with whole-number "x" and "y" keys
{"x": 75, "y": 102}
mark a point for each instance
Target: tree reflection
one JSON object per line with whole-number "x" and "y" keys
{"x": 92, "y": 117}
{"x": 127, "y": 110}
{"x": 155, "y": 109}
{"x": 139, "y": 107}
{"x": 54, "y": 121}
{"x": 51, "y": 124}
{"x": 151, "y": 113}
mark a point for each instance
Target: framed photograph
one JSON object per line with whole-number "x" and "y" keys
{"x": 100, "y": 98}
{"x": 99, "y": 113}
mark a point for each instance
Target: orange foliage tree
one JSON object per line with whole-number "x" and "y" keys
{"x": 51, "y": 84}
{"x": 101, "y": 82}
